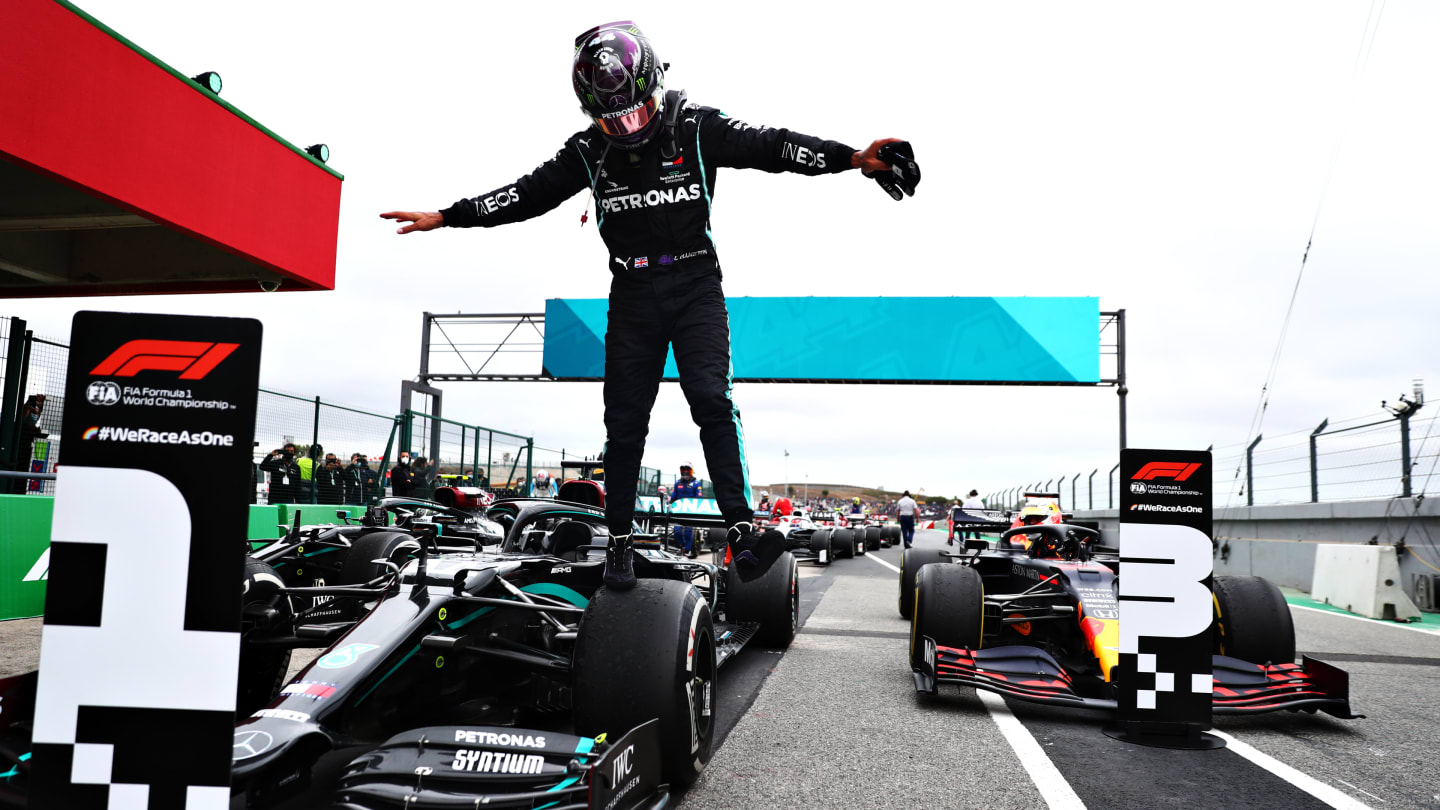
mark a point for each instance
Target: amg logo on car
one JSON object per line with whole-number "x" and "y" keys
{"x": 496, "y": 762}
{"x": 193, "y": 359}
{"x": 1177, "y": 470}
{"x": 490, "y": 738}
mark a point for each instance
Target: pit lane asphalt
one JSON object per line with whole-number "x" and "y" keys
{"x": 838, "y": 724}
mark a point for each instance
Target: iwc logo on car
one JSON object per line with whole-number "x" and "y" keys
{"x": 102, "y": 393}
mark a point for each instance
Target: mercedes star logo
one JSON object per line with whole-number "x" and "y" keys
{"x": 251, "y": 743}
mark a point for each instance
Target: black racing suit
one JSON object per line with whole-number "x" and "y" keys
{"x": 654, "y": 215}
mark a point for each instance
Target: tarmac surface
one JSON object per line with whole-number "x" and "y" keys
{"x": 834, "y": 722}
{"x": 838, "y": 724}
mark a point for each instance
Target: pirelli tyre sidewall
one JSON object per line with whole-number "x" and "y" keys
{"x": 911, "y": 559}
{"x": 646, "y": 654}
{"x": 845, "y": 543}
{"x": 949, "y": 608}
{"x": 397, "y": 547}
{"x": 822, "y": 540}
{"x": 262, "y": 668}
{"x": 1253, "y": 621}
{"x": 773, "y": 600}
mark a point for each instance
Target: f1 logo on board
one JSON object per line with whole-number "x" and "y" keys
{"x": 192, "y": 358}
{"x": 1178, "y": 470}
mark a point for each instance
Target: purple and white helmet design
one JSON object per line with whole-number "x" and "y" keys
{"x": 619, "y": 83}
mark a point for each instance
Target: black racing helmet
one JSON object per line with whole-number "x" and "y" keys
{"x": 620, "y": 83}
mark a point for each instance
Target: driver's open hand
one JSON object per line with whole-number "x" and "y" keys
{"x": 419, "y": 220}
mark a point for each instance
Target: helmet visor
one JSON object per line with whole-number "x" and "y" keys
{"x": 631, "y": 121}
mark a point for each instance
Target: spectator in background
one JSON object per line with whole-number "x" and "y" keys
{"x": 330, "y": 481}
{"x": 687, "y": 486}
{"x": 284, "y": 474}
{"x": 30, "y": 432}
{"x": 402, "y": 478}
{"x": 972, "y": 501}
{"x": 544, "y": 486}
{"x": 308, "y": 464}
{"x": 907, "y": 510}
{"x": 359, "y": 480}
{"x": 423, "y": 479}
{"x": 764, "y": 503}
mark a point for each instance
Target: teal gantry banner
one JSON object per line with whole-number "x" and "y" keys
{"x": 1046, "y": 340}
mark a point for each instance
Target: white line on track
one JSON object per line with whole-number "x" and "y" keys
{"x": 1053, "y": 788}
{"x": 1371, "y": 622}
{"x": 882, "y": 562}
{"x": 1325, "y": 793}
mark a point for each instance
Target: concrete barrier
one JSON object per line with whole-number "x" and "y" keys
{"x": 1361, "y": 579}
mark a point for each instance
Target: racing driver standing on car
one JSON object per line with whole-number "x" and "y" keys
{"x": 649, "y": 160}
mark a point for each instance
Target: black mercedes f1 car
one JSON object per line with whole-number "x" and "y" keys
{"x": 489, "y": 675}
{"x": 1036, "y": 618}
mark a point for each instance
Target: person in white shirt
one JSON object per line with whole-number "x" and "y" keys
{"x": 972, "y": 501}
{"x": 907, "y": 510}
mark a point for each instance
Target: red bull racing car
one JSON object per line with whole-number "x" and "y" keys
{"x": 1036, "y": 618}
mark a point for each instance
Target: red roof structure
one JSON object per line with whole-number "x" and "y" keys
{"x": 120, "y": 175}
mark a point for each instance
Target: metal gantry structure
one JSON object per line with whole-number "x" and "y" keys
{"x": 520, "y": 336}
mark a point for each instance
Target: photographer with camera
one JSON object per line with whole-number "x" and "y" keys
{"x": 330, "y": 481}
{"x": 359, "y": 479}
{"x": 284, "y": 474}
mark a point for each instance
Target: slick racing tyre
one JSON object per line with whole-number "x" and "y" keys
{"x": 397, "y": 547}
{"x": 264, "y": 611}
{"x": 872, "y": 538}
{"x": 949, "y": 608}
{"x": 844, "y": 542}
{"x": 1252, "y": 621}
{"x": 823, "y": 546}
{"x": 773, "y": 600}
{"x": 645, "y": 654}
{"x": 910, "y": 561}
{"x": 893, "y": 533}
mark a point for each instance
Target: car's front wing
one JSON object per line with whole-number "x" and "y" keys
{"x": 1031, "y": 674}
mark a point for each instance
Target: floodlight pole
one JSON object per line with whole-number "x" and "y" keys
{"x": 1120, "y": 387}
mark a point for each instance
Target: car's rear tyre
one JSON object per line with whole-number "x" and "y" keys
{"x": 845, "y": 543}
{"x": 820, "y": 542}
{"x": 357, "y": 568}
{"x": 911, "y": 559}
{"x": 262, "y": 668}
{"x": 773, "y": 600}
{"x": 949, "y": 608}
{"x": 644, "y": 654}
{"x": 872, "y": 538}
{"x": 893, "y": 532}
{"x": 1252, "y": 621}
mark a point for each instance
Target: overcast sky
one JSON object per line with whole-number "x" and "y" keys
{"x": 1165, "y": 157}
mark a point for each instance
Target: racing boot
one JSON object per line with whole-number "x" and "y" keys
{"x": 753, "y": 551}
{"x": 619, "y": 564}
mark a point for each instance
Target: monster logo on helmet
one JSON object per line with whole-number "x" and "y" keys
{"x": 620, "y": 83}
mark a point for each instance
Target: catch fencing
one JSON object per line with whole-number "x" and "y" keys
{"x": 1353, "y": 459}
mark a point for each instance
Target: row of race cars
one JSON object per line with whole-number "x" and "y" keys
{"x": 470, "y": 656}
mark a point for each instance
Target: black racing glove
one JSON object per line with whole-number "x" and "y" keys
{"x": 904, "y": 174}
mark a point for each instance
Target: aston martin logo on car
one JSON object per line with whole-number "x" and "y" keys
{"x": 251, "y": 744}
